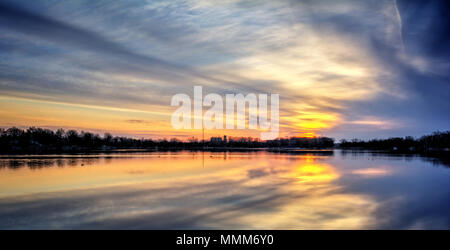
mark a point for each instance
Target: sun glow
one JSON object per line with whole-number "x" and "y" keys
{"x": 310, "y": 171}
{"x": 308, "y": 135}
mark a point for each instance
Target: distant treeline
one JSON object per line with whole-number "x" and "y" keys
{"x": 37, "y": 140}
{"x": 435, "y": 141}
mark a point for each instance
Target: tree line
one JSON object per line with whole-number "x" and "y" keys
{"x": 435, "y": 141}
{"x": 16, "y": 140}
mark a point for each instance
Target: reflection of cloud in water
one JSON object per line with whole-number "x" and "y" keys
{"x": 313, "y": 201}
{"x": 372, "y": 172}
{"x": 263, "y": 191}
{"x": 295, "y": 194}
{"x": 315, "y": 173}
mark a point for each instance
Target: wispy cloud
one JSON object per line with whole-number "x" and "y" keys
{"x": 333, "y": 63}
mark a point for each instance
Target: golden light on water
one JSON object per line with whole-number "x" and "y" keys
{"x": 315, "y": 173}
{"x": 341, "y": 69}
{"x": 214, "y": 190}
{"x": 298, "y": 191}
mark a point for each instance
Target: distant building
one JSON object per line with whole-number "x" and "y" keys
{"x": 216, "y": 140}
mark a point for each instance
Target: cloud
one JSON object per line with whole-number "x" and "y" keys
{"x": 335, "y": 61}
{"x": 139, "y": 122}
{"x": 30, "y": 23}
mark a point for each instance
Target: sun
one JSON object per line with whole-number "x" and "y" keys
{"x": 308, "y": 135}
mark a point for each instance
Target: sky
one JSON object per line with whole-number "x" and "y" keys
{"x": 343, "y": 69}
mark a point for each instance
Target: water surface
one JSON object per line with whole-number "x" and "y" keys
{"x": 217, "y": 190}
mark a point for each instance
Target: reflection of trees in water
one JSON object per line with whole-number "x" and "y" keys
{"x": 438, "y": 158}
{"x": 44, "y": 163}
{"x": 438, "y": 161}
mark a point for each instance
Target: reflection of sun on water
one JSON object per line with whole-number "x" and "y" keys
{"x": 313, "y": 200}
{"x": 316, "y": 173}
{"x": 312, "y": 172}
{"x": 245, "y": 191}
